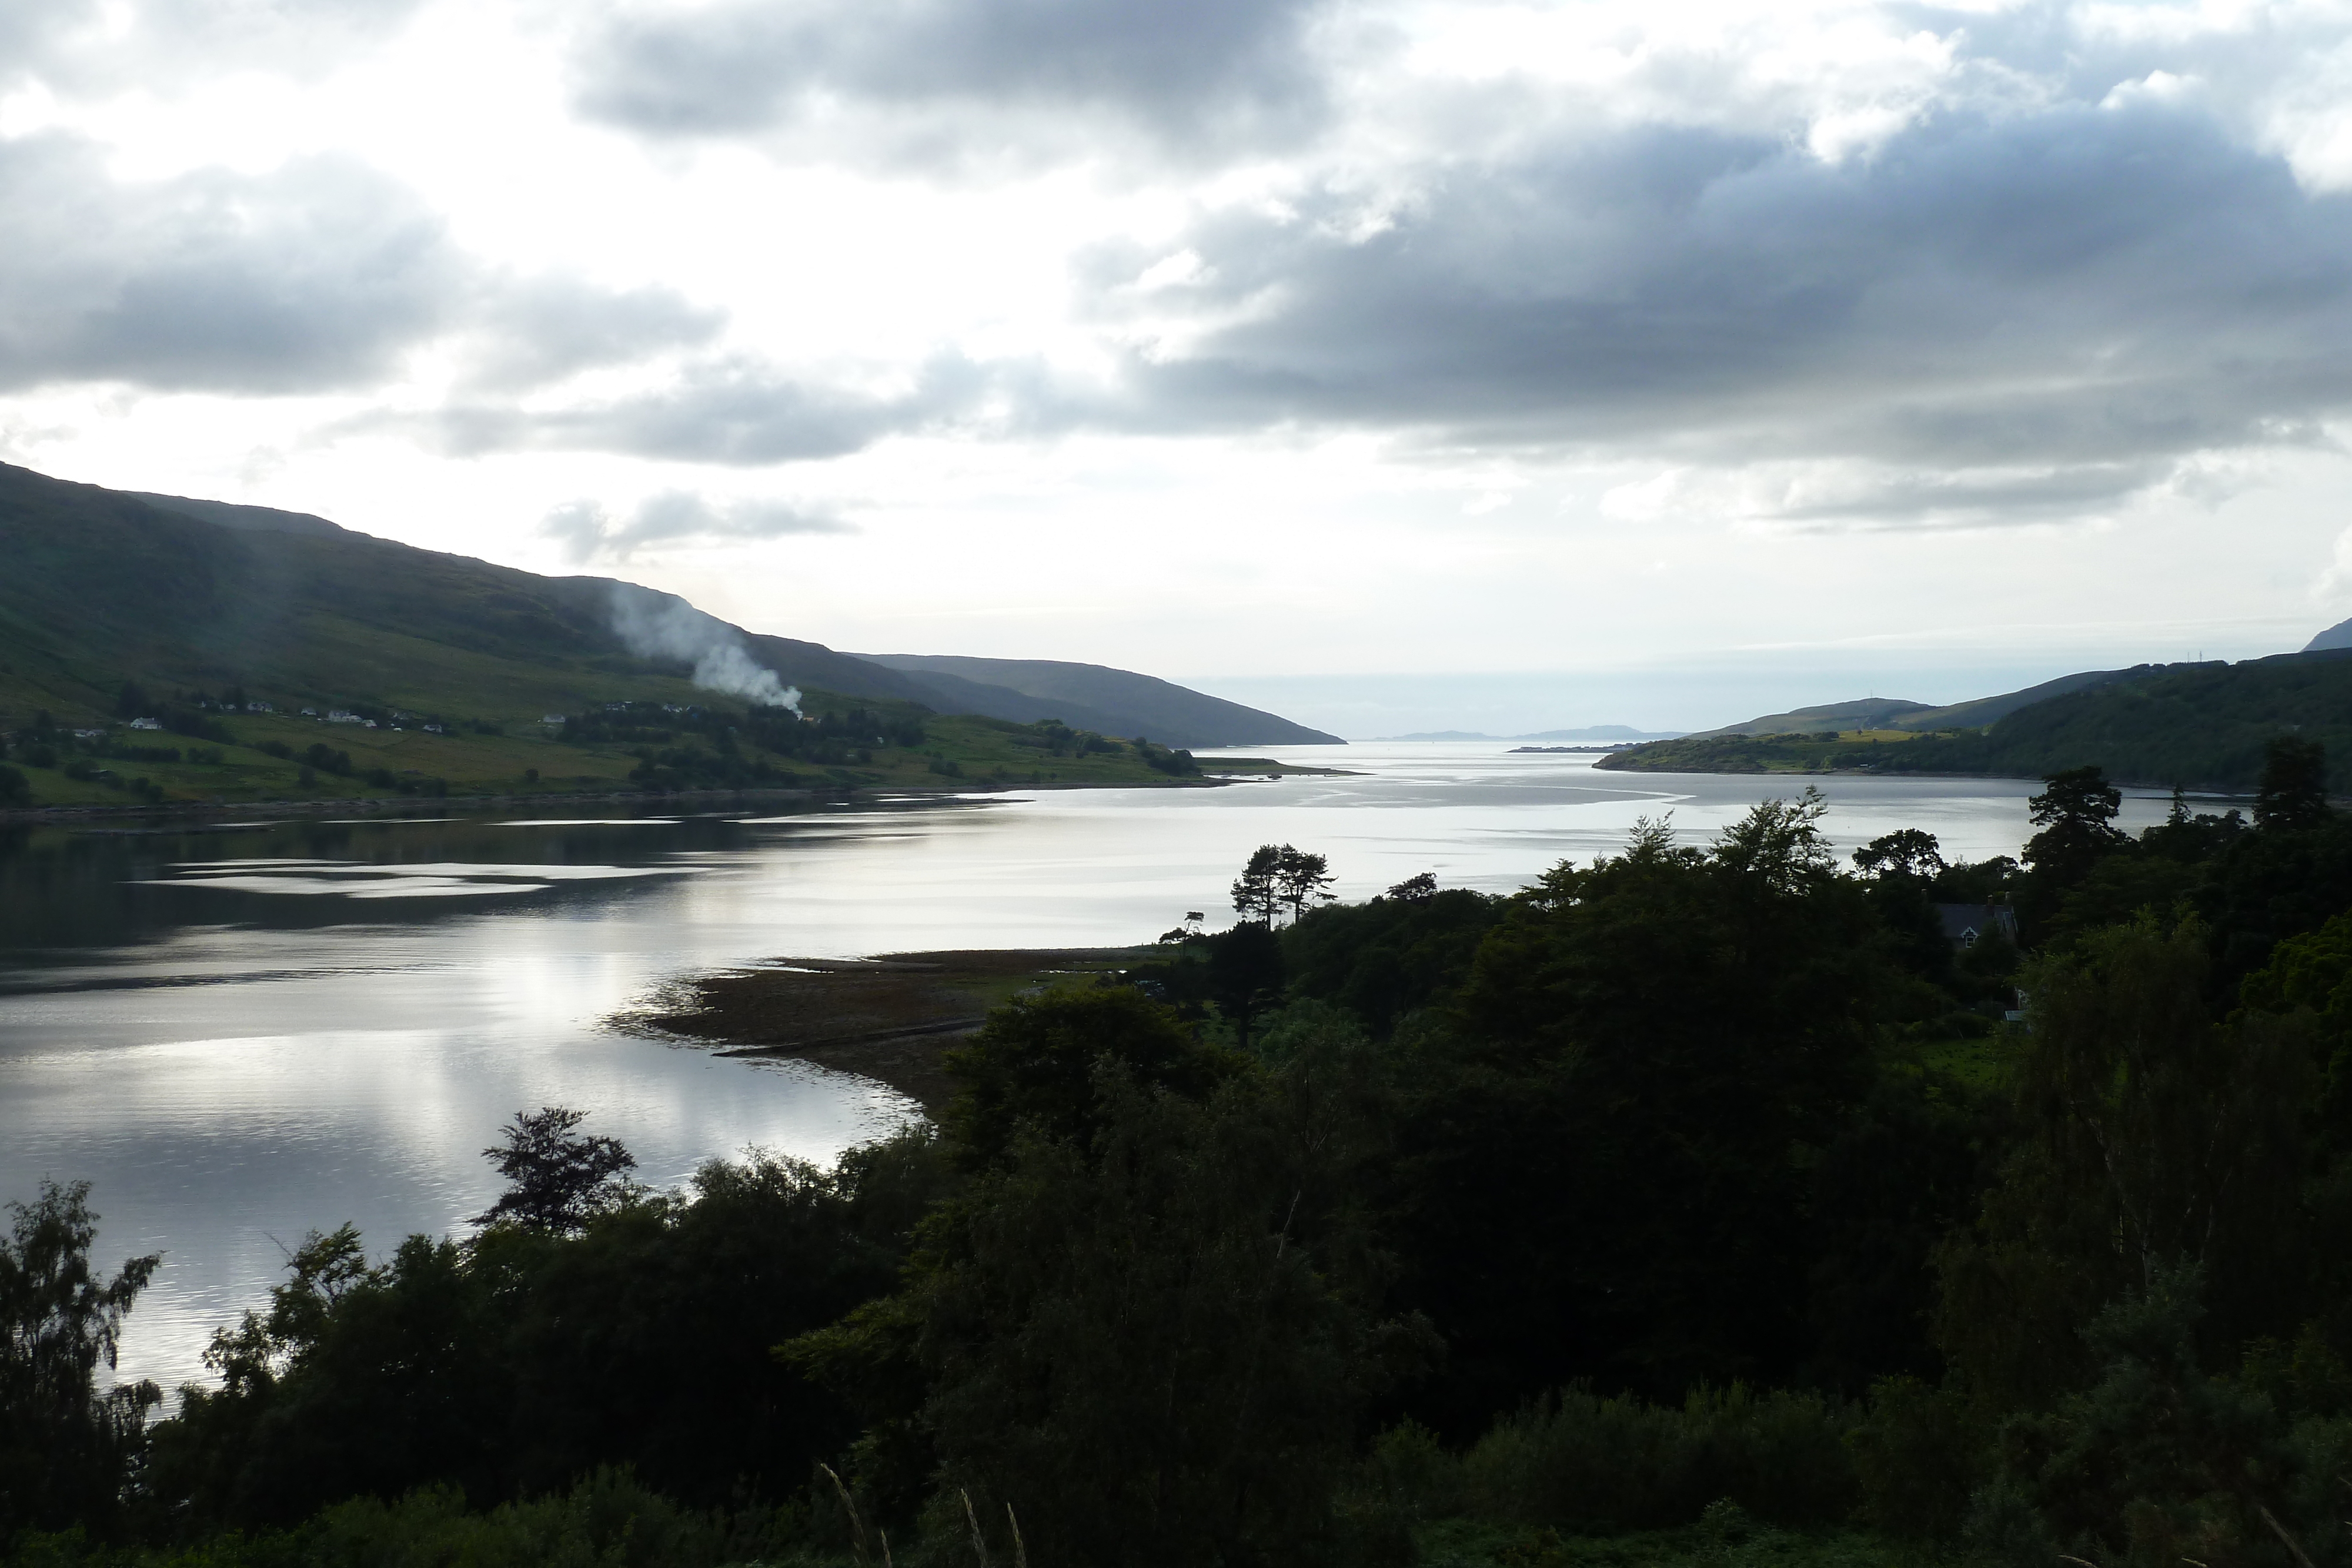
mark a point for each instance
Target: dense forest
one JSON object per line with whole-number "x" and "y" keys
{"x": 1706, "y": 1203}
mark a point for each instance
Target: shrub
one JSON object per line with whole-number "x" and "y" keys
{"x": 1581, "y": 1461}
{"x": 1917, "y": 1455}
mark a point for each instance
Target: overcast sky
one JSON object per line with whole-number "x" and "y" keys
{"x": 1398, "y": 364}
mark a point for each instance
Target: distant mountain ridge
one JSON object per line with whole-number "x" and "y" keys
{"x": 101, "y": 586}
{"x": 1086, "y": 695}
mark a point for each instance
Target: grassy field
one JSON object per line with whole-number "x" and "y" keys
{"x": 528, "y": 758}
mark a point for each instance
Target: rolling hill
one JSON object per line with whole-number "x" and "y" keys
{"x": 101, "y": 588}
{"x": 1094, "y": 695}
{"x": 1894, "y": 713}
{"x": 2204, "y": 725}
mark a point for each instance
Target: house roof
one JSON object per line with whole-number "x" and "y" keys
{"x": 1983, "y": 919}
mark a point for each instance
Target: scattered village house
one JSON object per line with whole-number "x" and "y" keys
{"x": 1966, "y": 924}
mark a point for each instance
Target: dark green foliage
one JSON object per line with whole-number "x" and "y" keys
{"x": 66, "y": 1448}
{"x": 609, "y": 1520}
{"x": 1919, "y": 1454}
{"x": 15, "y": 789}
{"x": 556, "y": 1178}
{"x": 513, "y": 1365}
{"x": 1645, "y": 1049}
{"x": 1897, "y": 1176}
{"x": 2076, "y": 813}
{"x": 2293, "y": 791}
{"x": 1907, "y": 852}
{"x": 1153, "y": 1342}
{"x": 1984, "y": 881}
{"x": 2157, "y": 1462}
{"x": 1176, "y": 764}
{"x": 2312, "y": 974}
{"x": 1384, "y": 959}
{"x": 1239, "y": 972}
{"x": 1256, "y": 893}
{"x": 1033, "y": 1064}
{"x": 1245, "y": 973}
{"x": 1301, "y": 879}
{"x": 1591, "y": 1464}
{"x": 2207, "y": 725}
{"x": 1280, "y": 877}
{"x": 2152, "y": 1140}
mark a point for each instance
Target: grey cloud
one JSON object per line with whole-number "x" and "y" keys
{"x": 589, "y": 533}
{"x": 1181, "y": 69}
{"x": 1974, "y": 497}
{"x": 730, "y": 412}
{"x": 542, "y": 330}
{"x": 75, "y": 47}
{"x": 2083, "y": 291}
{"x": 320, "y": 275}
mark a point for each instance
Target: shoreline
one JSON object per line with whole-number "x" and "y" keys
{"x": 891, "y": 1018}
{"x": 1207, "y": 780}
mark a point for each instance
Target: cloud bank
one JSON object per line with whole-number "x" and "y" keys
{"x": 589, "y": 533}
{"x": 913, "y": 80}
{"x": 1832, "y": 266}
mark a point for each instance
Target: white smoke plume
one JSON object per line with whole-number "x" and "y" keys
{"x": 658, "y": 626}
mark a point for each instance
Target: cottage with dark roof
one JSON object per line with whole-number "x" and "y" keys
{"x": 1966, "y": 924}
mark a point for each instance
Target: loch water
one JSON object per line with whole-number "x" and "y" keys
{"x": 241, "y": 1028}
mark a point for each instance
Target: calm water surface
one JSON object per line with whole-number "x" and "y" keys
{"x": 241, "y": 1035}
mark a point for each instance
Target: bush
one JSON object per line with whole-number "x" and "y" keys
{"x": 1917, "y": 1456}
{"x": 606, "y": 1520}
{"x": 1581, "y": 1461}
{"x": 16, "y": 789}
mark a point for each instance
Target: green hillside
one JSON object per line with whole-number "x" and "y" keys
{"x": 113, "y": 608}
{"x": 1099, "y": 696}
{"x": 1894, "y": 713}
{"x": 2204, "y": 725}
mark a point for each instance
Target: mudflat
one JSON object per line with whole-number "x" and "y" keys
{"x": 891, "y": 1018}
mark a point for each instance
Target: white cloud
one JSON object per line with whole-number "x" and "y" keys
{"x": 587, "y": 532}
